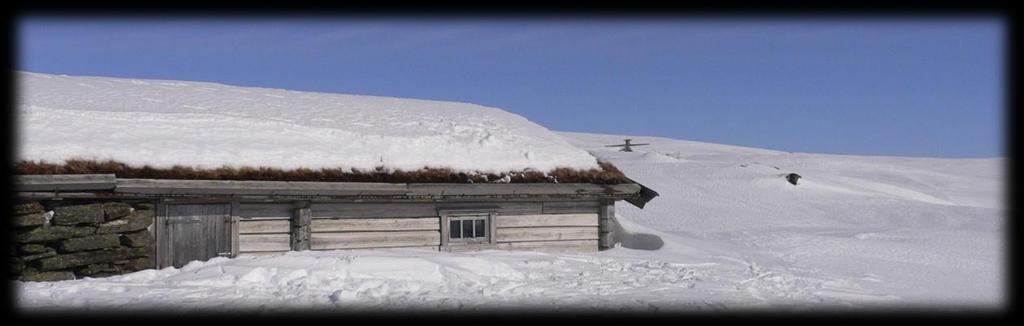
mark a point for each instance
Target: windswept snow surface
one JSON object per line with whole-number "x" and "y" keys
{"x": 907, "y": 231}
{"x": 207, "y": 125}
{"x": 728, "y": 233}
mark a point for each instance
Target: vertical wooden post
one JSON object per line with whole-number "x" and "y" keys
{"x": 160, "y": 231}
{"x": 443, "y": 218}
{"x": 154, "y": 232}
{"x": 233, "y": 227}
{"x": 302, "y": 217}
{"x": 492, "y": 225}
{"x": 605, "y": 223}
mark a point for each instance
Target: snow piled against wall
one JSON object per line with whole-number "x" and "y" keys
{"x": 206, "y": 125}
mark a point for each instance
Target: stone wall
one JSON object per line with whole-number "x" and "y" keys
{"x": 63, "y": 239}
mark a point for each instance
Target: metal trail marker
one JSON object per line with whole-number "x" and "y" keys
{"x": 627, "y": 146}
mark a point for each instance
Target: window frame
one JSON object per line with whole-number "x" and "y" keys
{"x": 486, "y": 214}
{"x": 473, "y": 218}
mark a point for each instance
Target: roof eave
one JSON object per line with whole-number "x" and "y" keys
{"x": 108, "y": 183}
{"x": 645, "y": 195}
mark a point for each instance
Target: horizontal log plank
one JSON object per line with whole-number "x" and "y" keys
{"x": 430, "y": 248}
{"x": 265, "y": 210}
{"x": 65, "y": 182}
{"x": 83, "y": 186}
{"x": 210, "y": 187}
{"x": 167, "y": 186}
{"x": 541, "y": 220}
{"x": 261, "y": 253}
{"x": 264, "y": 242}
{"x": 570, "y": 207}
{"x": 506, "y": 208}
{"x": 546, "y": 233}
{"x": 518, "y": 189}
{"x": 468, "y": 247}
{"x": 352, "y": 240}
{"x": 376, "y": 224}
{"x": 552, "y": 246}
{"x": 395, "y": 210}
{"x": 263, "y": 226}
{"x": 349, "y": 210}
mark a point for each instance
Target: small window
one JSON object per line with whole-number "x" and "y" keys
{"x": 468, "y": 228}
{"x": 478, "y": 227}
{"x": 456, "y": 229}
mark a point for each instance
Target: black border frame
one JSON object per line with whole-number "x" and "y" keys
{"x": 560, "y": 10}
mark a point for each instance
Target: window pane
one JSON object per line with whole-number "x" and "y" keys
{"x": 479, "y": 226}
{"x": 467, "y": 229}
{"x": 455, "y": 230}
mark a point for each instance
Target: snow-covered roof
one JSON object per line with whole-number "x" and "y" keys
{"x": 207, "y": 125}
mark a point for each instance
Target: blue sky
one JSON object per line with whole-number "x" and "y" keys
{"x": 898, "y": 86}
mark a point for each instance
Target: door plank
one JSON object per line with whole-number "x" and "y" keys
{"x": 197, "y": 231}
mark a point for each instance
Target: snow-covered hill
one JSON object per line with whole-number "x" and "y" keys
{"x": 921, "y": 231}
{"x": 727, "y": 233}
{"x": 206, "y": 125}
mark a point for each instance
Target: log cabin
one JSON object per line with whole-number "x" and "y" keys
{"x": 202, "y": 219}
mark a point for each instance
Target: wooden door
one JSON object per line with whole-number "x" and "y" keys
{"x": 194, "y": 232}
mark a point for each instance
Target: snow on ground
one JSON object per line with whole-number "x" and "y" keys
{"x": 727, "y": 233}
{"x": 367, "y": 279}
{"x": 208, "y": 125}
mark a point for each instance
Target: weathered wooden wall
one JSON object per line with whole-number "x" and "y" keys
{"x": 265, "y": 228}
{"x": 606, "y": 225}
{"x": 383, "y": 232}
{"x": 548, "y": 232}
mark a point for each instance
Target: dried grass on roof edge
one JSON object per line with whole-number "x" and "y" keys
{"x": 606, "y": 174}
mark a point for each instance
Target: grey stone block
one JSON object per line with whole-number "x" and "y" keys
{"x": 32, "y": 219}
{"x": 51, "y": 233}
{"x": 143, "y": 206}
{"x": 116, "y": 210}
{"x": 17, "y": 266}
{"x": 47, "y": 276}
{"x": 27, "y": 208}
{"x": 89, "y": 243}
{"x": 137, "y": 264}
{"x": 39, "y": 256}
{"x": 33, "y": 249}
{"x": 91, "y": 257}
{"x": 137, "y": 239}
{"x": 135, "y": 221}
{"x": 96, "y": 269}
{"x": 91, "y": 214}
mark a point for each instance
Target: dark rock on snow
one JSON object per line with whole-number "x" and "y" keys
{"x": 792, "y": 178}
